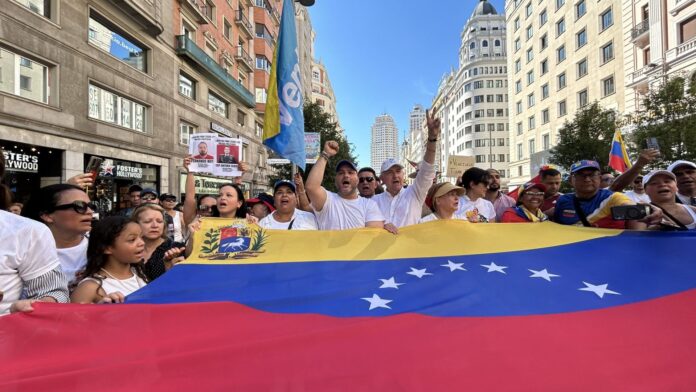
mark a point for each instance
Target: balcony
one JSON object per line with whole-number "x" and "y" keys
{"x": 685, "y": 49}
{"x": 639, "y": 79}
{"x": 197, "y": 8}
{"x": 640, "y": 35}
{"x": 273, "y": 12}
{"x": 243, "y": 23}
{"x": 188, "y": 49}
{"x": 244, "y": 59}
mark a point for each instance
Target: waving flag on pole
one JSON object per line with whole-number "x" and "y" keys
{"x": 618, "y": 157}
{"x": 283, "y": 129}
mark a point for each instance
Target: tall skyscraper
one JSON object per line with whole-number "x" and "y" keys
{"x": 565, "y": 54}
{"x": 385, "y": 140}
{"x": 413, "y": 146}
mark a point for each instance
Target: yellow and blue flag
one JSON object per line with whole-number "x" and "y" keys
{"x": 283, "y": 129}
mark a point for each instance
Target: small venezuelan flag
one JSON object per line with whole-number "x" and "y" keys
{"x": 618, "y": 157}
{"x": 283, "y": 129}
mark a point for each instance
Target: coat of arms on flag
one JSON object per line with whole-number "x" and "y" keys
{"x": 224, "y": 239}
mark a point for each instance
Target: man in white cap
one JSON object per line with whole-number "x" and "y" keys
{"x": 403, "y": 207}
{"x": 345, "y": 209}
{"x": 685, "y": 172}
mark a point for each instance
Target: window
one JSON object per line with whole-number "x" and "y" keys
{"x": 560, "y": 27}
{"x": 484, "y": 44}
{"x": 497, "y": 42}
{"x": 545, "y": 91}
{"x": 480, "y": 159}
{"x": 530, "y": 32}
{"x": 217, "y": 105}
{"x": 501, "y": 143}
{"x": 530, "y": 55}
{"x": 517, "y": 23}
{"x": 519, "y": 128}
{"x": 606, "y": 19}
{"x": 531, "y": 122}
{"x": 478, "y": 99}
{"x": 519, "y": 107}
{"x": 543, "y": 18}
{"x": 226, "y": 29}
{"x": 562, "y": 110}
{"x": 561, "y": 80}
{"x": 188, "y": 30}
{"x": 518, "y": 45}
{"x": 187, "y": 86}
{"x": 261, "y": 95}
{"x": 608, "y": 86}
{"x": 241, "y": 118}
{"x": 518, "y": 86}
{"x": 532, "y": 146}
{"x": 518, "y": 65}
{"x": 607, "y": 52}
{"x": 581, "y": 38}
{"x": 185, "y": 131}
{"x": 23, "y": 77}
{"x": 528, "y": 9}
{"x": 501, "y": 158}
{"x": 545, "y": 142}
{"x": 530, "y": 77}
{"x": 582, "y": 98}
{"x": 263, "y": 64}
{"x": 530, "y": 100}
{"x": 118, "y": 110}
{"x": 545, "y": 117}
{"x": 209, "y": 10}
{"x": 687, "y": 30}
{"x": 580, "y": 9}
{"x": 543, "y": 42}
{"x": 544, "y": 66}
{"x": 560, "y": 54}
{"x": 108, "y": 38}
{"x": 41, "y": 7}
{"x": 582, "y": 68}
{"x": 559, "y": 4}
{"x": 519, "y": 152}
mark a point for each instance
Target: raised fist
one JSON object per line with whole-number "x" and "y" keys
{"x": 331, "y": 148}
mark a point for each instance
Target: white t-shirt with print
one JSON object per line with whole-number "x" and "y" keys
{"x": 302, "y": 220}
{"x": 642, "y": 198}
{"x": 478, "y": 211}
{"x": 433, "y": 217}
{"x": 27, "y": 251}
{"x": 74, "y": 259}
{"x": 341, "y": 214}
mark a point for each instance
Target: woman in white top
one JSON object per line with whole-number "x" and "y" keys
{"x": 474, "y": 204}
{"x": 443, "y": 200}
{"x": 661, "y": 186}
{"x": 67, "y": 211}
{"x": 114, "y": 262}
{"x": 287, "y": 216}
{"x": 168, "y": 202}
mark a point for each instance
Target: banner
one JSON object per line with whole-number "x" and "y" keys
{"x": 446, "y": 305}
{"x": 214, "y": 154}
{"x": 312, "y": 150}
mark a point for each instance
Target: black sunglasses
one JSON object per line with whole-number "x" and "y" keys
{"x": 363, "y": 179}
{"x": 78, "y": 206}
{"x": 169, "y": 199}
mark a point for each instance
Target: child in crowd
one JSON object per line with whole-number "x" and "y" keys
{"x": 114, "y": 262}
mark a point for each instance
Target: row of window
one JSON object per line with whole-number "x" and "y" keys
{"x": 606, "y": 54}
{"x": 546, "y": 144}
{"x": 499, "y": 127}
{"x": 580, "y": 9}
{"x": 216, "y": 104}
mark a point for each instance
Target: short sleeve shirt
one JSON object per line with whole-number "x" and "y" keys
{"x": 342, "y": 214}
{"x": 597, "y": 209}
{"x": 479, "y": 211}
{"x": 301, "y": 220}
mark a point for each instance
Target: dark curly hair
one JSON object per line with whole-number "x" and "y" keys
{"x": 103, "y": 235}
{"x": 45, "y": 200}
{"x": 242, "y": 210}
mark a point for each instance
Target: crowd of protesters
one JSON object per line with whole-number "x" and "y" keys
{"x": 56, "y": 252}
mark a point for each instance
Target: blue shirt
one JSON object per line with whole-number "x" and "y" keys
{"x": 597, "y": 209}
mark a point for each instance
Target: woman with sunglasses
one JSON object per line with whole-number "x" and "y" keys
{"x": 168, "y": 202}
{"x": 67, "y": 211}
{"x": 529, "y": 202}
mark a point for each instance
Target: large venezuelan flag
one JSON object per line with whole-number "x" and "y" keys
{"x": 618, "y": 156}
{"x": 283, "y": 128}
{"x": 441, "y": 306}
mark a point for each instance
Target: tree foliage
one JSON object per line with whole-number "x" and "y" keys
{"x": 316, "y": 120}
{"x": 588, "y": 136}
{"x": 669, "y": 115}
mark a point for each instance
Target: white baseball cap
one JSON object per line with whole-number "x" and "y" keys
{"x": 389, "y": 163}
{"x": 647, "y": 177}
{"x": 681, "y": 163}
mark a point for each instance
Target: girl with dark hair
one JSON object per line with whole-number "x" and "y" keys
{"x": 161, "y": 253}
{"x": 114, "y": 262}
{"x": 67, "y": 211}
{"x": 230, "y": 202}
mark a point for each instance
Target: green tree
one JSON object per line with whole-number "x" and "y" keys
{"x": 588, "y": 136}
{"x": 670, "y": 117}
{"x": 316, "y": 120}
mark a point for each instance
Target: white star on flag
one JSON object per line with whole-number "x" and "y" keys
{"x": 600, "y": 289}
{"x": 453, "y": 266}
{"x": 390, "y": 283}
{"x": 418, "y": 272}
{"x": 377, "y": 302}
{"x": 492, "y": 267}
{"x": 543, "y": 274}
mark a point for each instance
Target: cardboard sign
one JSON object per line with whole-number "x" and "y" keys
{"x": 457, "y": 165}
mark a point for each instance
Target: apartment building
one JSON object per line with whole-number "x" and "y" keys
{"x": 413, "y": 145}
{"x": 385, "y": 141}
{"x": 564, "y": 55}
{"x": 659, "y": 43}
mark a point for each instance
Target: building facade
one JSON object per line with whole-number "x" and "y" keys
{"x": 385, "y": 141}
{"x": 413, "y": 145}
{"x": 564, "y": 55}
{"x": 322, "y": 92}
{"x": 659, "y": 43}
{"x": 475, "y": 95}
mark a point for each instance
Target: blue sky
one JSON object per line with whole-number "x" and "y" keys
{"x": 386, "y": 56}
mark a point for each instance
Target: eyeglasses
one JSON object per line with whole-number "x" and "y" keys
{"x": 78, "y": 206}
{"x": 148, "y": 197}
{"x": 363, "y": 179}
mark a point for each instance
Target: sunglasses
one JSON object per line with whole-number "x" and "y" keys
{"x": 78, "y": 206}
{"x": 170, "y": 199}
{"x": 148, "y": 197}
{"x": 363, "y": 179}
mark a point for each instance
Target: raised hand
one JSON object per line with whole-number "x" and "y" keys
{"x": 299, "y": 183}
{"x": 82, "y": 180}
{"x": 647, "y": 156}
{"x": 433, "y": 124}
{"x": 331, "y": 148}
{"x": 187, "y": 162}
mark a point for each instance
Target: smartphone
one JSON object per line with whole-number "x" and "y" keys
{"x": 94, "y": 166}
{"x": 632, "y": 212}
{"x": 652, "y": 143}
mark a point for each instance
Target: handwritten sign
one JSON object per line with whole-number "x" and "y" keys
{"x": 457, "y": 165}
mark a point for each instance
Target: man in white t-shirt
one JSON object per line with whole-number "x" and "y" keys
{"x": 638, "y": 194}
{"x": 287, "y": 216}
{"x": 473, "y": 204}
{"x": 345, "y": 209}
{"x": 403, "y": 206}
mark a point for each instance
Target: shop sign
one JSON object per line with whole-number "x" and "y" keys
{"x": 204, "y": 185}
{"x": 21, "y": 162}
{"x": 109, "y": 169}
{"x": 220, "y": 129}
